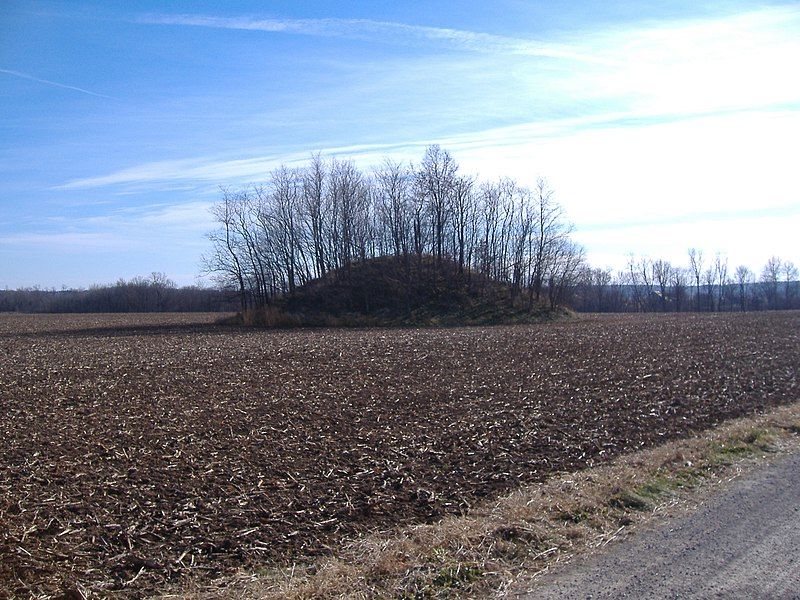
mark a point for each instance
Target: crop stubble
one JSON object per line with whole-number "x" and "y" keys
{"x": 138, "y": 449}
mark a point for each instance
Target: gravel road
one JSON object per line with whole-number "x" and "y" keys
{"x": 742, "y": 543}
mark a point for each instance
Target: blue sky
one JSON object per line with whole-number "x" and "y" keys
{"x": 660, "y": 125}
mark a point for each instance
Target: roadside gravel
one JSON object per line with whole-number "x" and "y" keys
{"x": 742, "y": 543}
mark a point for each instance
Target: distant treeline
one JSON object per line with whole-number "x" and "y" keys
{"x": 306, "y": 223}
{"x": 156, "y": 293}
{"x": 707, "y": 286}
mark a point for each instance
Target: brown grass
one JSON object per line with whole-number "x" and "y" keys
{"x": 526, "y": 533}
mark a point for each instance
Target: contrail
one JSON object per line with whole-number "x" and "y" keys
{"x": 54, "y": 83}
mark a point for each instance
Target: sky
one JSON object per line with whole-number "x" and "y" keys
{"x": 659, "y": 125}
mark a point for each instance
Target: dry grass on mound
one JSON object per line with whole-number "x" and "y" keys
{"x": 527, "y": 532}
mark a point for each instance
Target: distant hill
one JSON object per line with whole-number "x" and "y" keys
{"x": 398, "y": 291}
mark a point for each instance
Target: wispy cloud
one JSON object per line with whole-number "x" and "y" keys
{"x": 190, "y": 217}
{"x": 123, "y": 228}
{"x": 228, "y": 171}
{"x": 55, "y": 84}
{"x": 62, "y": 240}
{"x": 728, "y": 62}
{"x": 385, "y": 31}
{"x": 165, "y": 174}
{"x": 193, "y": 169}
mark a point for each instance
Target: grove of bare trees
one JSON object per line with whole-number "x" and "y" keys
{"x": 155, "y": 293}
{"x": 320, "y": 219}
{"x": 704, "y": 284}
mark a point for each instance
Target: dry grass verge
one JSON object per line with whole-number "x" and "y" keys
{"x": 526, "y": 533}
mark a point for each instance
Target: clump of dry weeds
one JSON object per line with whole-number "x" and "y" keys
{"x": 525, "y": 533}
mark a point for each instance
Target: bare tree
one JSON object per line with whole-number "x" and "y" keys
{"x": 770, "y": 278}
{"x": 595, "y": 285}
{"x": 709, "y": 280}
{"x": 435, "y": 180}
{"x": 744, "y": 278}
{"x": 463, "y": 209}
{"x": 662, "y": 276}
{"x": 314, "y": 210}
{"x": 633, "y": 279}
{"x": 696, "y": 265}
{"x": 790, "y": 283}
{"x": 224, "y": 260}
{"x": 286, "y": 196}
{"x": 549, "y": 230}
{"x": 351, "y": 198}
{"x": 490, "y": 205}
{"x": 679, "y": 277}
{"x": 393, "y": 208}
{"x": 646, "y": 274}
{"x": 160, "y": 284}
{"x": 564, "y": 270}
{"x": 721, "y": 275}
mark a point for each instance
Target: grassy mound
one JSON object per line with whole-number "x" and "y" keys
{"x": 396, "y": 292}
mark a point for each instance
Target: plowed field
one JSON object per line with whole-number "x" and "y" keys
{"x": 137, "y": 450}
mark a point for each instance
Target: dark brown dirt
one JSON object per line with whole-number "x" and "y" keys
{"x": 135, "y": 451}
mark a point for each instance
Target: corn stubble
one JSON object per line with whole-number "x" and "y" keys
{"x": 139, "y": 451}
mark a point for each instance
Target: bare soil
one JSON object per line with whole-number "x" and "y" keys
{"x": 138, "y": 450}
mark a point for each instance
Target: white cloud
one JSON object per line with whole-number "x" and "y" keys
{"x": 615, "y": 174}
{"x": 743, "y": 60}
